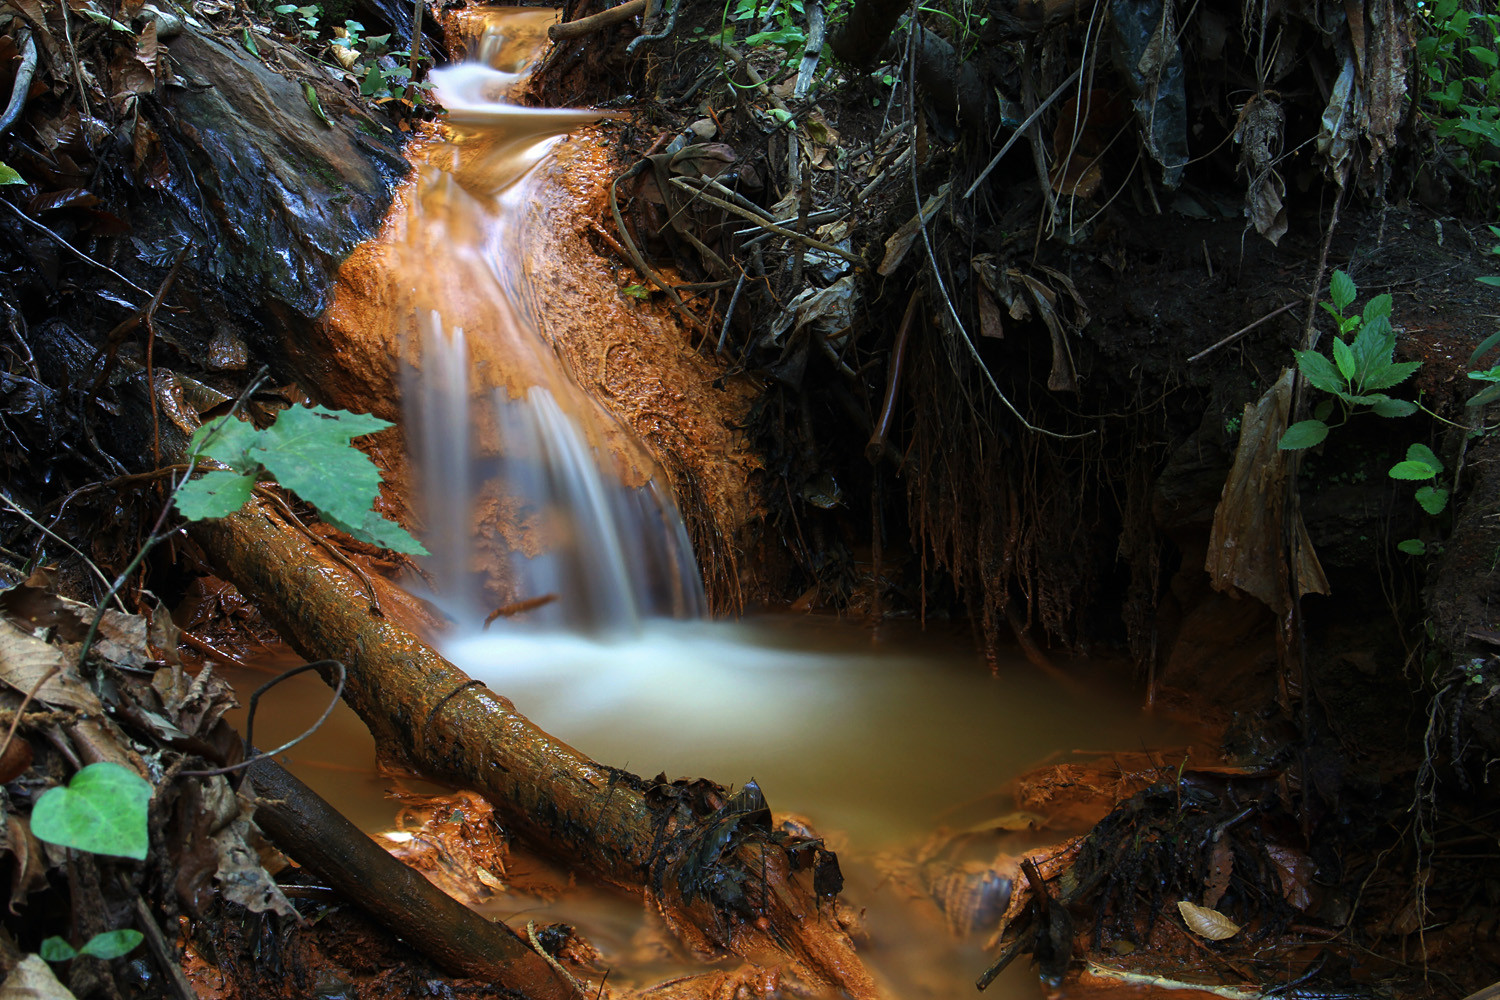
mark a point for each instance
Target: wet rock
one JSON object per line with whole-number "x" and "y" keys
{"x": 266, "y": 196}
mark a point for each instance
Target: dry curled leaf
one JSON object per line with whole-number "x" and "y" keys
{"x": 1209, "y": 924}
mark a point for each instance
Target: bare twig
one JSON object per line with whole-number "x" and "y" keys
{"x": 71, "y": 248}
{"x": 635, "y": 254}
{"x": 83, "y": 90}
{"x": 662, "y": 35}
{"x": 518, "y": 607}
{"x": 814, "y": 49}
{"x": 729, "y": 314}
{"x": 1021, "y": 129}
{"x": 251, "y": 754}
{"x": 878, "y": 443}
{"x": 770, "y": 226}
{"x": 1236, "y": 335}
{"x": 38, "y": 525}
{"x": 24, "y": 73}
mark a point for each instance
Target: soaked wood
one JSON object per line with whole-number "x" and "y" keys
{"x": 322, "y": 840}
{"x": 429, "y": 716}
{"x": 596, "y": 22}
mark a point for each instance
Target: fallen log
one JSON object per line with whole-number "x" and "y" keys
{"x": 720, "y": 875}
{"x": 596, "y": 22}
{"x": 322, "y": 840}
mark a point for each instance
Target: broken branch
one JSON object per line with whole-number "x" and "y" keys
{"x": 596, "y": 22}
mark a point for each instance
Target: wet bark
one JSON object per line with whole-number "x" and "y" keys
{"x": 740, "y": 894}
{"x": 323, "y": 841}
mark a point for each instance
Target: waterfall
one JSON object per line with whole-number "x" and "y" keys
{"x": 512, "y": 464}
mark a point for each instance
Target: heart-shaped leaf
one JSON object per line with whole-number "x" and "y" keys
{"x": 102, "y": 811}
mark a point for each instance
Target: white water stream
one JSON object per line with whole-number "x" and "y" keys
{"x": 878, "y": 744}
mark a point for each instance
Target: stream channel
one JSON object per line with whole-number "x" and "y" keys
{"x": 879, "y": 742}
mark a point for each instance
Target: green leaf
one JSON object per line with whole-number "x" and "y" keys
{"x": 1323, "y": 410}
{"x": 1385, "y": 406}
{"x": 1485, "y": 346}
{"x": 1490, "y": 279}
{"x": 377, "y": 530}
{"x": 1433, "y": 499}
{"x": 1344, "y": 358}
{"x": 8, "y": 175}
{"x": 99, "y": 17}
{"x": 102, "y": 811}
{"x": 1385, "y": 376}
{"x": 1412, "y": 546}
{"x": 1378, "y": 307}
{"x": 1342, "y": 290}
{"x": 112, "y": 944}
{"x": 215, "y": 494}
{"x": 1303, "y": 434}
{"x": 1320, "y": 371}
{"x": 1372, "y": 348}
{"x": 1487, "y": 395}
{"x": 248, "y": 41}
{"x": 55, "y": 949}
{"x": 1424, "y": 454}
{"x": 1414, "y": 471}
{"x": 313, "y": 103}
{"x": 227, "y": 440}
{"x": 307, "y": 449}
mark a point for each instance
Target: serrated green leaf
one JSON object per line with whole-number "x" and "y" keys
{"x": 1373, "y": 348}
{"x": 1412, "y": 546}
{"x": 8, "y": 175}
{"x": 1487, "y": 395}
{"x": 1488, "y": 375}
{"x": 1433, "y": 499}
{"x": 377, "y": 530}
{"x": 1323, "y": 410}
{"x": 227, "y": 440}
{"x": 1341, "y": 290}
{"x": 1385, "y": 406}
{"x": 1424, "y": 454}
{"x": 307, "y": 449}
{"x": 1385, "y": 376}
{"x": 1319, "y": 371}
{"x": 1378, "y": 307}
{"x": 1413, "y": 471}
{"x": 55, "y": 949}
{"x": 1344, "y": 358}
{"x": 215, "y": 494}
{"x": 102, "y": 810}
{"x": 1303, "y": 434}
{"x": 112, "y": 944}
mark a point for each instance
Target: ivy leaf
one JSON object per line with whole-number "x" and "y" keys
{"x": 1320, "y": 372}
{"x": 1414, "y": 471}
{"x": 1433, "y": 499}
{"x": 215, "y": 494}
{"x": 1343, "y": 357}
{"x": 1385, "y": 406}
{"x": 1412, "y": 546}
{"x": 8, "y": 175}
{"x": 1422, "y": 453}
{"x": 376, "y": 530}
{"x": 102, "y": 811}
{"x": 1342, "y": 290}
{"x": 307, "y": 450}
{"x": 227, "y": 440}
{"x": 1303, "y": 434}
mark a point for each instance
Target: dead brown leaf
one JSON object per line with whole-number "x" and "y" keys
{"x": 25, "y": 660}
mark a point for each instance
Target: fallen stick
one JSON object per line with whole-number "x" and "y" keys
{"x": 877, "y": 444}
{"x": 596, "y": 22}
{"x": 653, "y": 838}
{"x": 322, "y": 840}
{"x": 1236, "y": 335}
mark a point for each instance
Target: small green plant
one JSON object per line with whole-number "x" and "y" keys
{"x": 1360, "y": 367}
{"x": 1459, "y": 55}
{"x": 102, "y": 810}
{"x": 307, "y": 450}
{"x": 1494, "y": 251}
{"x": 110, "y": 944}
{"x": 304, "y": 20}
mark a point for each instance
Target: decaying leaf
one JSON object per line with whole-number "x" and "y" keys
{"x": 25, "y": 660}
{"x": 28, "y": 861}
{"x": 242, "y": 878}
{"x": 1294, "y": 870}
{"x": 32, "y": 979}
{"x": 1220, "y": 868}
{"x": 1259, "y": 133}
{"x": 1206, "y": 923}
{"x": 901, "y": 241}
